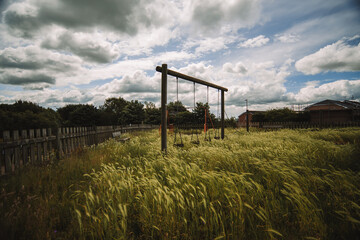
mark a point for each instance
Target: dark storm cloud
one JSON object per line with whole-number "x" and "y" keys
{"x": 211, "y": 14}
{"x": 24, "y": 80}
{"x": 34, "y": 58}
{"x": 123, "y": 16}
{"x": 15, "y": 62}
{"x": 84, "y": 48}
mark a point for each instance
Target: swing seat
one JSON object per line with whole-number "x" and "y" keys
{"x": 195, "y": 142}
{"x": 178, "y": 144}
{"x": 217, "y": 138}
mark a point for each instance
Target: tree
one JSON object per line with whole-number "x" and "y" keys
{"x": 281, "y": 115}
{"x": 114, "y": 108}
{"x": 152, "y": 113}
{"x": 134, "y": 112}
{"x": 176, "y": 107}
{"x": 80, "y": 115}
{"x": 27, "y": 115}
{"x": 199, "y": 112}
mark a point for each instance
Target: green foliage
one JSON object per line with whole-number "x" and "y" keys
{"x": 27, "y": 115}
{"x": 134, "y": 112}
{"x": 265, "y": 185}
{"x": 152, "y": 113}
{"x": 281, "y": 115}
{"x": 115, "y": 107}
{"x": 80, "y": 115}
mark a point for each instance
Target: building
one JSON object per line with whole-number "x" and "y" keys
{"x": 242, "y": 118}
{"x": 331, "y": 111}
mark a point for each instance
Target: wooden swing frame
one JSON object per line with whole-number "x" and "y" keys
{"x": 164, "y": 73}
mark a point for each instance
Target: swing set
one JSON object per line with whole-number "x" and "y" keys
{"x": 164, "y": 116}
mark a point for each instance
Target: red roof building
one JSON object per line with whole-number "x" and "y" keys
{"x": 331, "y": 111}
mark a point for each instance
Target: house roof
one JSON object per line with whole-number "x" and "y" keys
{"x": 344, "y": 104}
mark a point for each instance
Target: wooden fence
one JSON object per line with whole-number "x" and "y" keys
{"x": 39, "y": 146}
{"x": 295, "y": 125}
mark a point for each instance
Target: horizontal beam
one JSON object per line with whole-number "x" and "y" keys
{"x": 192, "y": 79}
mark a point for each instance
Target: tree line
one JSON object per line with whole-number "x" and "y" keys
{"x": 281, "y": 115}
{"x": 114, "y": 111}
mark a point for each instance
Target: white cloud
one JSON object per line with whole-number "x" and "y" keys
{"x": 287, "y": 38}
{"x": 258, "y": 41}
{"x": 238, "y": 68}
{"x": 139, "y": 82}
{"x": 338, "y": 57}
{"x": 91, "y": 47}
{"x": 337, "y": 90}
{"x": 219, "y": 16}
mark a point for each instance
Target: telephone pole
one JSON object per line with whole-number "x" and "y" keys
{"x": 247, "y": 116}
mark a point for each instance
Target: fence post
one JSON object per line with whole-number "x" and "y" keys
{"x": 58, "y": 144}
{"x": 45, "y": 144}
{"x": 25, "y": 149}
{"x": 38, "y": 146}
{"x": 96, "y": 135}
{"x": 7, "y": 152}
{"x": 32, "y": 146}
{"x": 16, "y": 163}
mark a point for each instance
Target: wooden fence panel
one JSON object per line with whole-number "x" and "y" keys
{"x": 39, "y": 146}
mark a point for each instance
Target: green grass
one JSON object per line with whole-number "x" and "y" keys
{"x": 287, "y": 184}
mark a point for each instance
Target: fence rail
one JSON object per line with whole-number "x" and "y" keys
{"x": 294, "y": 125}
{"x": 39, "y": 146}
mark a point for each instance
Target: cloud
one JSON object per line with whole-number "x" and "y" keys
{"x": 31, "y": 64}
{"x": 337, "y": 57}
{"x": 208, "y": 44}
{"x": 126, "y": 16}
{"x": 139, "y": 82}
{"x": 337, "y": 90}
{"x": 26, "y": 79}
{"x": 35, "y": 58}
{"x": 287, "y": 38}
{"x": 238, "y": 68}
{"x": 258, "y": 41}
{"x": 83, "y": 45}
{"x": 209, "y": 15}
{"x": 261, "y": 83}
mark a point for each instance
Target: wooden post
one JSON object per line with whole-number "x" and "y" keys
{"x": 163, "y": 108}
{"x": 50, "y": 143}
{"x": 16, "y": 161}
{"x": 39, "y": 147}
{"x": 25, "y": 149}
{"x": 32, "y": 146}
{"x": 96, "y": 135}
{"x": 222, "y": 114}
{"x": 45, "y": 145}
{"x": 58, "y": 144}
{"x": 7, "y": 152}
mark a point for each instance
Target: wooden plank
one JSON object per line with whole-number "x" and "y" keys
{"x": 38, "y": 148}
{"x": 7, "y": 152}
{"x": 189, "y": 78}
{"x": 58, "y": 144}
{"x": 16, "y": 157}
{"x": 24, "y": 149}
{"x": 32, "y": 146}
{"x": 2, "y": 159}
{"x": 45, "y": 145}
{"x": 50, "y": 144}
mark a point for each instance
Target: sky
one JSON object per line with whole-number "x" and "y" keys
{"x": 274, "y": 53}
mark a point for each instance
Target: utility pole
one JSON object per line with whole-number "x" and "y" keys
{"x": 247, "y": 116}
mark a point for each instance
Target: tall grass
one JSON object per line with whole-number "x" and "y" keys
{"x": 288, "y": 184}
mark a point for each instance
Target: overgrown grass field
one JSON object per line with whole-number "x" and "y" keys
{"x": 286, "y": 184}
